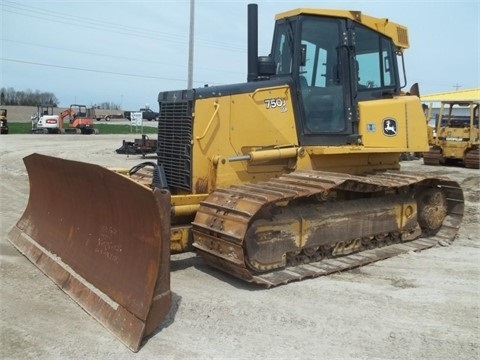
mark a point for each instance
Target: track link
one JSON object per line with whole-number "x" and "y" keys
{"x": 224, "y": 218}
{"x": 472, "y": 159}
{"x": 432, "y": 157}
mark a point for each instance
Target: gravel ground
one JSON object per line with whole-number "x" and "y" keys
{"x": 415, "y": 306}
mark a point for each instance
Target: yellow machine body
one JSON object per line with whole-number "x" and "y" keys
{"x": 270, "y": 180}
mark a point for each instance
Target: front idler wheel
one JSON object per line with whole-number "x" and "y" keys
{"x": 432, "y": 210}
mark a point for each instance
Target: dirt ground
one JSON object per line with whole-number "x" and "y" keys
{"x": 422, "y": 305}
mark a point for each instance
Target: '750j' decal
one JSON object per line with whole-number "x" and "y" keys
{"x": 275, "y": 103}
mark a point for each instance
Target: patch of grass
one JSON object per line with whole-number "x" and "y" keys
{"x": 19, "y": 128}
{"x": 124, "y": 129}
{"x": 26, "y": 128}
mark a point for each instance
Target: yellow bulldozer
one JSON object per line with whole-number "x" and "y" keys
{"x": 456, "y": 135}
{"x": 293, "y": 174}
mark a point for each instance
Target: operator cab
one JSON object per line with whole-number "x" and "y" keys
{"x": 334, "y": 62}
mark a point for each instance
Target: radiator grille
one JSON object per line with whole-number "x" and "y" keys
{"x": 174, "y": 143}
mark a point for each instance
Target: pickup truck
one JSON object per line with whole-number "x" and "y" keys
{"x": 147, "y": 114}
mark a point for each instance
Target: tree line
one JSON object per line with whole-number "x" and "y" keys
{"x": 106, "y": 106}
{"x": 10, "y": 96}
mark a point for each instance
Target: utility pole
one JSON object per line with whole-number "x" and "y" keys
{"x": 190, "y": 45}
{"x": 457, "y": 86}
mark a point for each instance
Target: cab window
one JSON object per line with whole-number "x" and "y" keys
{"x": 374, "y": 60}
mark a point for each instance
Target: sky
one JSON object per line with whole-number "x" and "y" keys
{"x": 125, "y": 51}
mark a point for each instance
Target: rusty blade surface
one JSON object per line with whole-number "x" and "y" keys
{"x": 103, "y": 239}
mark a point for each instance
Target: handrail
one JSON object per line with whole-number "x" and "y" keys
{"x": 269, "y": 89}
{"x": 217, "y": 106}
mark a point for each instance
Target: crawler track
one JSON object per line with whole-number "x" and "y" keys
{"x": 472, "y": 159}
{"x": 432, "y": 157}
{"x": 221, "y": 227}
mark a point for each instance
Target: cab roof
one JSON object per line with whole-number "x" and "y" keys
{"x": 398, "y": 33}
{"x": 467, "y": 95}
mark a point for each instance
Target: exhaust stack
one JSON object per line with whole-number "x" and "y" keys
{"x": 252, "y": 56}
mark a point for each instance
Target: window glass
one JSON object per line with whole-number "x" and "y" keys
{"x": 374, "y": 59}
{"x": 282, "y": 50}
{"x": 322, "y": 93}
{"x": 387, "y": 63}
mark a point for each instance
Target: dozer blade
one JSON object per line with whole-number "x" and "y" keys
{"x": 103, "y": 239}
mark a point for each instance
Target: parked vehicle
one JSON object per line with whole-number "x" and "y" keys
{"x": 147, "y": 114}
{"x": 45, "y": 122}
{"x": 104, "y": 114}
{"x": 73, "y": 120}
{"x": 79, "y": 121}
{"x": 455, "y": 137}
{"x": 4, "y": 121}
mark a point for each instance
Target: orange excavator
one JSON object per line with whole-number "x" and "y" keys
{"x": 79, "y": 122}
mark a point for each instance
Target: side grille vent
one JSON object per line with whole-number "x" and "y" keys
{"x": 402, "y": 35}
{"x": 174, "y": 143}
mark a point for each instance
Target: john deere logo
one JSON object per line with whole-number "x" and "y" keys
{"x": 390, "y": 127}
